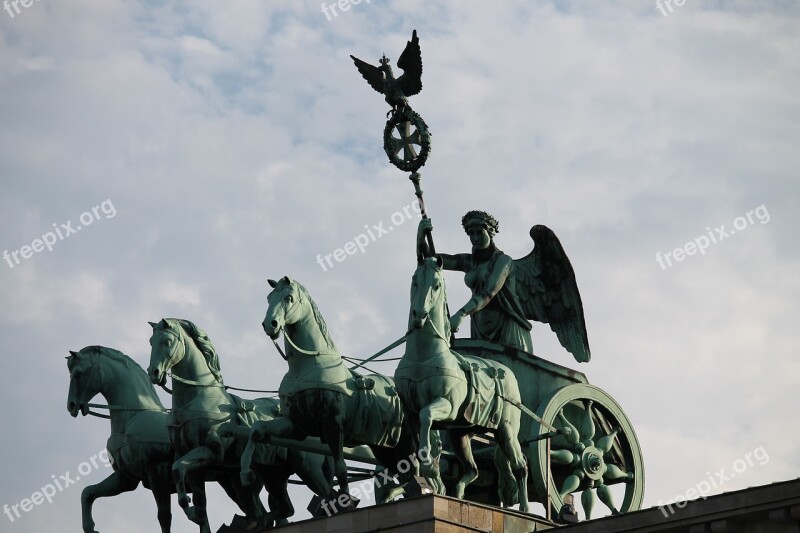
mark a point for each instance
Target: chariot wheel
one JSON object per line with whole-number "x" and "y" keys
{"x": 597, "y": 453}
{"x": 406, "y": 132}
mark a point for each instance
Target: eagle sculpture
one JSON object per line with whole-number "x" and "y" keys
{"x": 396, "y": 90}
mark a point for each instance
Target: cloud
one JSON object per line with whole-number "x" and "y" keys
{"x": 239, "y": 142}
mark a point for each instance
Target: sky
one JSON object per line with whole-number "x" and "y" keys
{"x": 204, "y": 147}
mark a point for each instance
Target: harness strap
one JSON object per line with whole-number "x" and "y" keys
{"x": 530, "y": 413}
{"x": 195, "y": 383}
{"x": 392, "y": 346}
{"x": 124, "y": 408}
{"x": 280, "y": 350}
{"x": 302, "y": 351}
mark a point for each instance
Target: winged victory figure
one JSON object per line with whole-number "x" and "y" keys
{"x": 507, "y": 293}
{"x": 396, "y": 90}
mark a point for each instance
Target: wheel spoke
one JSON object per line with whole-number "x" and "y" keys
{"x": 571, "y": 483}
{"x": 604, "y": 493}
{"x": 605, "y": 443}
{"x": 588, "y": 499}
{"x": 563, "y": 457}
{"x": 613, "y": 473}
{"x": 571, "y": 434}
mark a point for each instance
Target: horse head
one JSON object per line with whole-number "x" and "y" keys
{"x": 283, "y": 307}
{"x": 85, "y": 379}
{"x": 427, "y": 292}
{"x": 167, "y": 349}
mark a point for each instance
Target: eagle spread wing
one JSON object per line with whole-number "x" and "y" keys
{"x": 548, "y": 292}
{"x": 371, "y": 73}
{"x": 411, "y": 63}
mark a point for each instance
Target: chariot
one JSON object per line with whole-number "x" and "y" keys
{"x": 594, "y": 449}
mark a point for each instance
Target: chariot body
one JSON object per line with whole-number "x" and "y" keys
{"x": 579, "y": 440}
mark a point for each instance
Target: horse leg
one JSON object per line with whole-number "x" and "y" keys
{"x": 315, "y": 470}
{"x": 159, "y": 479}
{"x": 437, "y": 410}
{"x": 113, "y": 485}
{"x": 245, "y": 497}
{"x": 198, "y": 513}
{"x": 280, "y": 506}
{"x": 333, "y": 436}
{"x": 260, "y": 432}
{"x": 386, "y": 488}
{"x": 506, "y": 436}
{"x": 463, "y": 450}
{"x": 197, "y": 459}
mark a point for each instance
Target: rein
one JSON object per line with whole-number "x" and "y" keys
{"x": 119, "y": 408}
{"x": 95, "y": 365}
{"x": 363, "y": 362}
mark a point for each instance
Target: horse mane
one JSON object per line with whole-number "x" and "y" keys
{"x": 202, "y": 342}
{"x": 323, "y": 328}
{"x": 127, "y": 362}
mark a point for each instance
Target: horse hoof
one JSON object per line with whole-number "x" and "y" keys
{"x": 191, "y": 514}
{"x": 260, "y": 524}
{"x": 184, "y": 501}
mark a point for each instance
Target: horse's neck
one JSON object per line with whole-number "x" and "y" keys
{"x": 121, "y": 388}
{"x": 307, "y": 335}
{"x": 193, "y": 367}
{"x": 428, "y": 341}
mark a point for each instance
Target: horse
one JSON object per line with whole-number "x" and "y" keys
{"x": 442, "y": 389}
{"x": 139, "y": 444}
{"x": 322, "y": 398}
{"x": 201, "y": 405}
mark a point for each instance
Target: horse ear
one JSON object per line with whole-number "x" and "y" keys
{"x": 272, "y": 283}
{"x": 73, "y": 354}
{"x": 287, "y": 280}
{"x": 163, "y": 324}
{"x": 152, "y": 324}
{"x": 439, "y": 261}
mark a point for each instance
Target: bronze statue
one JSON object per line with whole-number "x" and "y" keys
{"x": 506, "y": 293}
{"x": 396, "y": 90}
{"x": 413, "y": 137}
{"x": 442, "y": 389}
{"x": 201, "y": 406}
{"x": 139, "y": 445}
{"x": 321, "y": 397}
